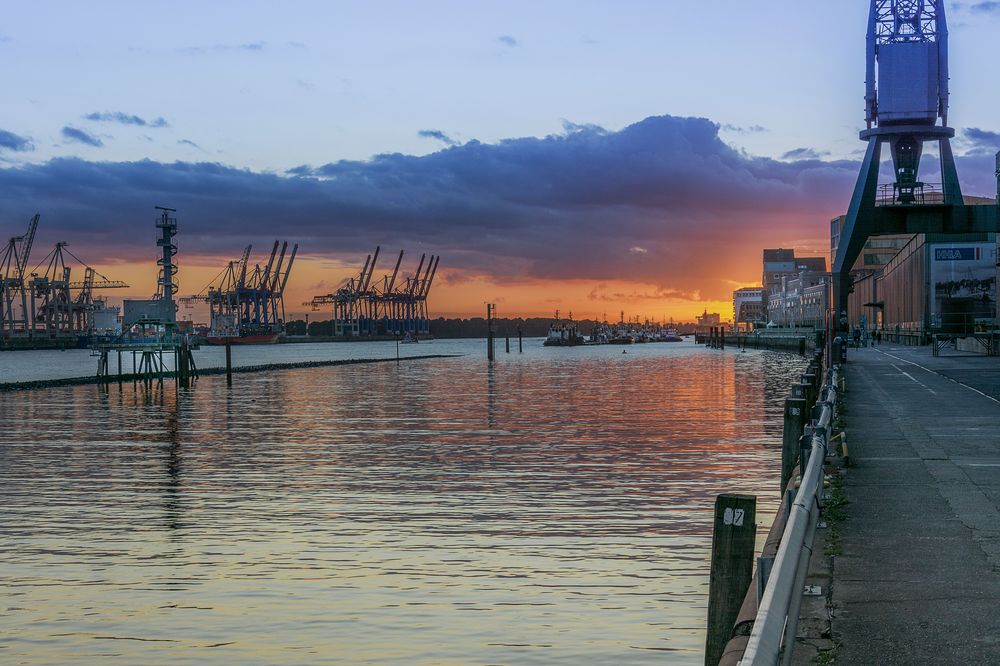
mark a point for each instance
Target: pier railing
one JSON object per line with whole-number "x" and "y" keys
{"x": 776, "y": 623}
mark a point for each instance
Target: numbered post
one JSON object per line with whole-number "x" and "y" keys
{"x": 794, "y": 422}
{"x": 733, "y": 540}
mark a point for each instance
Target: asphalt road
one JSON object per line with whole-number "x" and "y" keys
{"x": 919, "y": 578}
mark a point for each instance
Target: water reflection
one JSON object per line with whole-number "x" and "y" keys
{"x": 547, "y": 509}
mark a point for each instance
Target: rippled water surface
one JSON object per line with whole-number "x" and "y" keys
{"x": 552, "y": 509}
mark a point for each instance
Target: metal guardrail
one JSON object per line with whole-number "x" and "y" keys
{"x": 914, "y": 194}
{"x": 777, "y": 618}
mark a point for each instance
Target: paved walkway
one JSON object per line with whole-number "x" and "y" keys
{"x": 918, "y": 581}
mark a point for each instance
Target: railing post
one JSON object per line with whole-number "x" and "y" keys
{"x": 733, "y": 539}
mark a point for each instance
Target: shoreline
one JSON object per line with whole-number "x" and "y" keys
{"x": 130, "y": 377}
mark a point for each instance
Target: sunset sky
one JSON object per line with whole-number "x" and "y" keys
{"x": 589, "y": 157}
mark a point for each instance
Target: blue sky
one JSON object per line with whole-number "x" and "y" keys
{"x": 252, "y": 90}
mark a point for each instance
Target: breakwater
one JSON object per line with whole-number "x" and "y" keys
{"x": 169, "y": 374}
{"x": 792, "y": 341}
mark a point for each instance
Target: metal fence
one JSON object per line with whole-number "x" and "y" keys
{"x": 777, "y": 618}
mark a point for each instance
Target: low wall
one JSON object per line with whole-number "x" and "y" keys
{"x": 115, "y": 379}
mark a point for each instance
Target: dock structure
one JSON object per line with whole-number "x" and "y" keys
{"x": 917, "y": 578}
{"x": 40, "y": 302}
{"x": 245, "y": 301}
{"x": 149, "y": 327}
{"x": 389, "y": 306}
{"x": 907, "y": 98}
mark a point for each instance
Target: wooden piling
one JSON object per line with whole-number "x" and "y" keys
{"x": 489, "y": 332}
{"x": 508, "y": 344}
{"x": 794, "y": 422}
{"x": 520, "y": 342}
{"x": 229, "y": 361}
{"x": 733, "y": 540}
{"x": 183, "y": 365}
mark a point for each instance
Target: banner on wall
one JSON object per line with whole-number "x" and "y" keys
{"x": 963, "y": 280}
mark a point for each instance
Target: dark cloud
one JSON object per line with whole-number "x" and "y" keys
{"x": 805, "y": 154}
{"x": 125, "y": 119}
{"x": 508, "y": 40}
{"x": 4, "y": 39}
{"x": 570, "y": 205}
{"x": 986, "y": 7}
{"x": 664, "y": 201}
{"x": 80, "y": 136}
{"x": 437, "y": 135}
{"x": 188, "y": 142}
{"x": 569, "y": 127}
{"x": 601, "y": 293}
{"x": 14, "y": 142}
{"x": 980, "y": 140}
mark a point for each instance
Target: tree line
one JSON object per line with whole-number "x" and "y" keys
{"x": 475, "y": 327}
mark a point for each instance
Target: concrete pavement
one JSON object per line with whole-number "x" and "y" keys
{"x": 918, "y": 579}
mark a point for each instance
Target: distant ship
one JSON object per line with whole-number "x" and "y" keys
{"x": 671, "y": 336}
{"x": 564, "y": 335}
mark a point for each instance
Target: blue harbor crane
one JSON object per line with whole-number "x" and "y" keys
{"x": 388, "y": 306}
{"x": 906, "y": 107}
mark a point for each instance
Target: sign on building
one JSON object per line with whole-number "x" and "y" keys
{"x": 963, "y": 280}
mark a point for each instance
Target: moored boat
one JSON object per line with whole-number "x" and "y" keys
{"x": 564, "y": 335}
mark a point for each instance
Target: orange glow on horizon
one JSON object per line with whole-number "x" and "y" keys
{"x": 455, "y": 294}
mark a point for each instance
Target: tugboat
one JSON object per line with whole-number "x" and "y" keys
{"x": 672, "y": 336}
{"x": 564, "y": 334}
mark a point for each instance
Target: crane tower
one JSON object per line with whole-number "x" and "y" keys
{"x": 906, "y": 107}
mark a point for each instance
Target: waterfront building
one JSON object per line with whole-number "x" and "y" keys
{"x": 707, "y": 320}
{"x": 800, "y": 301}
{"x": 918, "y": 285}
{"x": 780, "y": 264}
{"x": 936, "y": 284}
{"x": 748, "y": 307}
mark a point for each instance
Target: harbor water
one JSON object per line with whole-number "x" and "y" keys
{"x": 554, "y": 508}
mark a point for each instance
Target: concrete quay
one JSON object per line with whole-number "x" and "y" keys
{"x": 916, "y": 572}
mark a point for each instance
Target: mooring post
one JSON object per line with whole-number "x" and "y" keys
{"x": 795, "y": 414}
{"x": 520, "y": 343}
{"x": 733, "y": 538}
{"x": 229, "y": 361}
{"x": 508, "y": 343}
{"x": 809, "y": 378}
{"x": 182, "y": 365}
{"x": 489, "y": 332}
{"x": 722, "y": 338}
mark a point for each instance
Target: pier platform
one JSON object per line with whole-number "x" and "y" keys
{"x": 917, "y": 578}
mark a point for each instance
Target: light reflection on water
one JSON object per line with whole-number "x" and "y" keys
{"x": 553, "y": 509}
